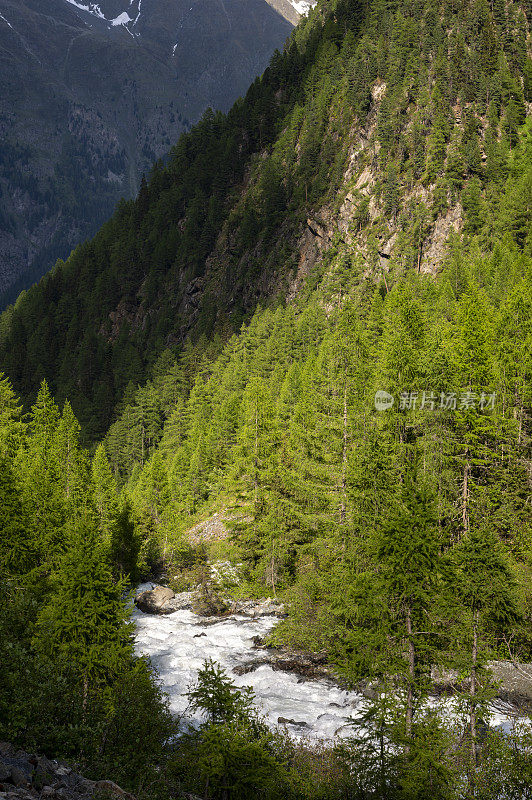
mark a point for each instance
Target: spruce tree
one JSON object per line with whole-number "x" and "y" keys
{"x": 408, "y": 554}
{"x": 124, "y": 543}
{"x": 486, "y": 588}
{"x": 105, "y": 492}
{"x": 84, "y": 620}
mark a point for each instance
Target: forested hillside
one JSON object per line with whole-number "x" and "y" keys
{"x": 392, "y": 129}
{"x": 316, "y": 323}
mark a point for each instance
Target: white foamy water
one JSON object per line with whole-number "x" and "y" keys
{"x": 179, "y": 643}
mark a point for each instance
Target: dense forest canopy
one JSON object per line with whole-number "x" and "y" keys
{"x": 218, "y": 228}
{"x": 212, "y": 374}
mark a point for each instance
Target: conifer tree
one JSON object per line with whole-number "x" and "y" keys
{"x": 409, "y": 555}
{"x": 72, "y": 463}
{"x": 17, "y": 546}
{"x": 84, "y": 618}
{"x": 385, "y": 610}
{"x": 43, "y": 488}
{"x": 105, "y": 493}
{"x": 486, "y": 587}
{"x": 124, "y": 543}
{"x": 11, "y": 428}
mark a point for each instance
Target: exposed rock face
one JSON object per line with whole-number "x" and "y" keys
{"x": 258, "y": 608}
{"x": 204, "y": 601}
{"x": 92, "y": 94}
{"x": 208, "y": 604}
{"x": 24, "y": 776}
{"x": 513, "y": 682}
{"x": 292, "y": 9}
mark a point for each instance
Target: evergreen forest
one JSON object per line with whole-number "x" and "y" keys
{"x": 314, "y": 321}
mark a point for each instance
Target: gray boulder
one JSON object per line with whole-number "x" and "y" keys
{"x": 156, "y": 600}
{"x": 208, "y": 604}
{"x": 30, "y": 777}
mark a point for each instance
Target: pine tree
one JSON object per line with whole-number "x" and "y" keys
{"x": 72, "y": 463}
{"x": 84, "y": 618}
{"x": 11, "y": 428}
{"x": 408, "y": 554}
{"x": 486, "y": 588}
{"x": 105, "y": 492}
{"x": 124, "y": 543}
{"x": 436, "y": 151}
{"x": 43, "y": 486}
{"x": 17, "y": 546}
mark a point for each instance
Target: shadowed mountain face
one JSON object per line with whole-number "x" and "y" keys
{"x": 92, "y": 93}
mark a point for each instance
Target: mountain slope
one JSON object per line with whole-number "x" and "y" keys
{"x": 90, "y": 98}
{"x": 388, "y": 133}
{"x": 312, "y": 331}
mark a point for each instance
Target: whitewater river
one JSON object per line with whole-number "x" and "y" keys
{"x": 179, "y": 643}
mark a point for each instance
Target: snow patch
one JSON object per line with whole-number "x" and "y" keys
{"x": 138, "y": 13}
{"x": 7, "y": 22}
{"x": 90, "y": 8}
{"x": 122, "y": 19}
{"x": 302, "y": 6}
{"x": 94, "y": 9}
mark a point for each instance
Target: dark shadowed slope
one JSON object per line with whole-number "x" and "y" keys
{"x": 90, "y": 98}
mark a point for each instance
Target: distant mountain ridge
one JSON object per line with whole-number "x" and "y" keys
{"x": 92, "y": 93}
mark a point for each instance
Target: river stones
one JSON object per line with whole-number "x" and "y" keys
{"x": 258, "y": 608}
{"x": 293, "y": 722}
{"x": 29, "y": 777}
{"x": 156, "y": 600}
{"x": 208, "y": 604}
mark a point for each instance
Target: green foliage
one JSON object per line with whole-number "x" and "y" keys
{"x": 216, "y": 696}
{"x": 400, "y": 540}
{"x": 119, "y": 729}
{"x": 100, "y": 322}
{"x": 84, "y": 617}
{"x": 124, "y": 544}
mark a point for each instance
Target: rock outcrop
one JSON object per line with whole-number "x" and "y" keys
{"x": 266, "y": 607}
{"x": 285, "y": 659}
{"x": 24, "y": 776}
{"x": 162, "y": 600}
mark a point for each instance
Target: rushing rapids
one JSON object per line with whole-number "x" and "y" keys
{"x": 179, "y": 643}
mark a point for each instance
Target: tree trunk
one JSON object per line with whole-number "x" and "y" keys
{"x": 465, "y": 500}
{"x": 411, "y": 676}
{"x": 85, "y": 695}
{"x": 382, "y": 765}
{"x": 473, "y": 689}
